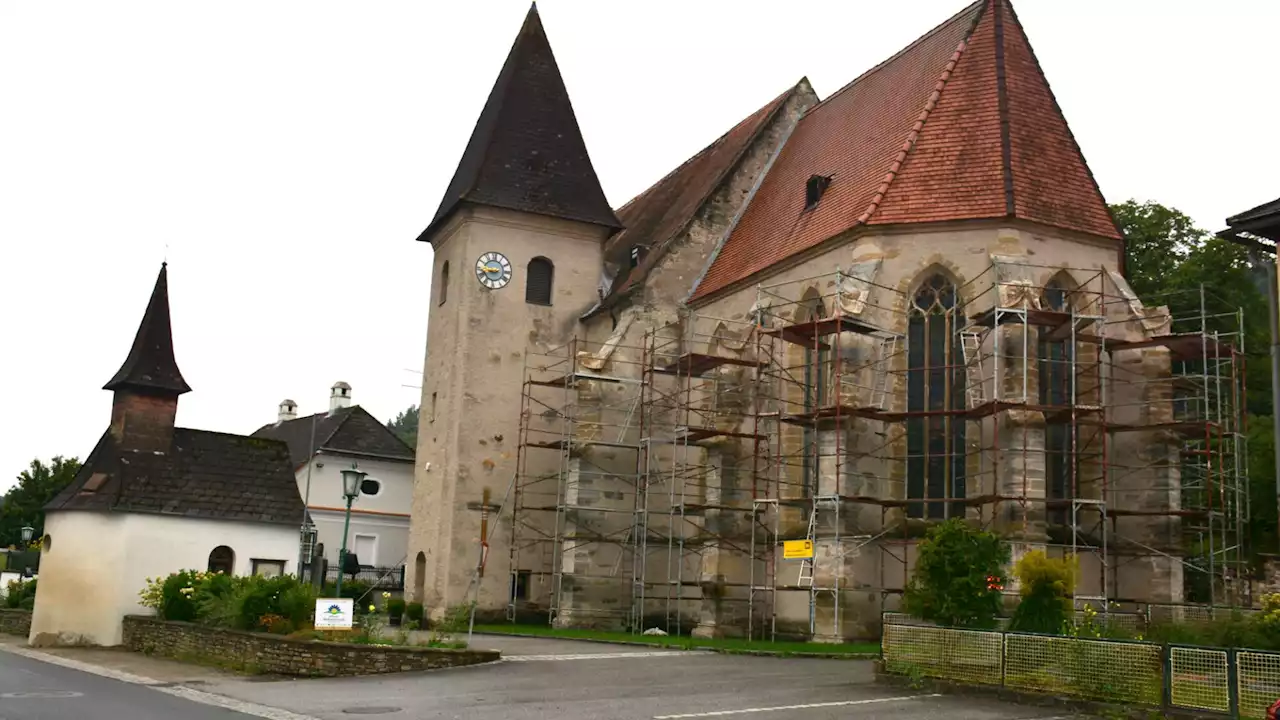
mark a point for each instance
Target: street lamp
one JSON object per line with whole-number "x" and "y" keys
{"x": 27, "y": 533}
{"x": 351, "y": 480}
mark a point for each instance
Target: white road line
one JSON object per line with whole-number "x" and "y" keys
{"x": 602, "y": 656}
{"x": 721, "y": 713}
{"x": 198, "y": 696}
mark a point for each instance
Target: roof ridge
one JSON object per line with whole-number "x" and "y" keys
{"x": 230, "y": 434}
{"x": 913, "y": 134}
{"x": 1070, "y": 134}
{"x": 711, "y": 145}
{"x": 883, "y": 63}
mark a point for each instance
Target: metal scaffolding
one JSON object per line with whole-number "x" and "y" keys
{"x": 1060, "y": 413}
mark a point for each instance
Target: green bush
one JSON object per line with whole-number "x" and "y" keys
{"x": 1045, "y": 587}
{"x": 280, "y": 604}
{"x": 956, "y": 578}
{"x": 20, "y": 595}
{"x": 415, "y": 612}
{"x": 354, "y": 589}
{"x": 395, "y": 607}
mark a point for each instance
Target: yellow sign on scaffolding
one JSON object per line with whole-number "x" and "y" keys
{"x": 797, "y": 549}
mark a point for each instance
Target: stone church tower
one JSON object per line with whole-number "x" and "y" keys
{"x": 518, "y": 244}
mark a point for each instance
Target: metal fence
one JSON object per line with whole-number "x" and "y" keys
{"x": 1232, "y": 682}
{"x": 381, "y": 578}
{"x": 1136, "y": 617}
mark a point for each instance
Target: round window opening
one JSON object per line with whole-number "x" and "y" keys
{"x": 370, "y": 487}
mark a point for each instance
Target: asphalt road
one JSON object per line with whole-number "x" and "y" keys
{"x": 586, "y": 681}
{"x": 34, "y": 690}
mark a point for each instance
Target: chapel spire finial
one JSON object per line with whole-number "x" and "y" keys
{"x": 151, "y": 367}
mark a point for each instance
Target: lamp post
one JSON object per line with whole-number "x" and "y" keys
{"x": 351, "y": 480}
{"x": 27, "y": 533}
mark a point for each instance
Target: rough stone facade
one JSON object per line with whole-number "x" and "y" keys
{"x": 15, "y": 622}
{"x": 283, "y": 656}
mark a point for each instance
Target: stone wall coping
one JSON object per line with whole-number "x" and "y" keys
{"x": 403, "y": 649}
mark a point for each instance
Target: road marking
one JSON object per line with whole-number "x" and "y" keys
{"x": 721, "y": 713}
{"x": 186, "y": 693}
{"x": 602, "y": 656}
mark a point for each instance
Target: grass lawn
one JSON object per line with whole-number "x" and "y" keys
{"x": 727, "y": 644}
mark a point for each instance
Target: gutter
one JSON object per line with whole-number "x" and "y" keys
{"x": 373, "y": 456}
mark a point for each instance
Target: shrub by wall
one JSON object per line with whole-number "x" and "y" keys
{"x": 274, "y": 654}
{"x": 15, "y": 622}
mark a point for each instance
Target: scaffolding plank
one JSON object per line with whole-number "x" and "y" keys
{"x": 573, "y": 378}
{"x": 695, "y": 364}
{"x": 580, "y": 445}
{"x": 832, "y": 414}
{"x": 1186, "y": 429}
{"x": 1182, "y": 346}
{"x": 698, "y": 434}
{"x": 806, "y": 333}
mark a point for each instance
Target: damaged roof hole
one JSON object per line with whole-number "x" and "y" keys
{"x": 813, "y": 190}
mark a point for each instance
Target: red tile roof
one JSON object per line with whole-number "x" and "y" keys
{"x": 655, "y": 217}
{"x": 959, "y": 125}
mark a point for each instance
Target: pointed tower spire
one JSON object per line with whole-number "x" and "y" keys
{"x": 150, "y": 367}
{"x": 526, "y": 152}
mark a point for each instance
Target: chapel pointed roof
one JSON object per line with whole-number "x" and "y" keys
{"x": 959, "y": 125}
{"x": 526, "y": 152}
{"x": 150, "y": 366}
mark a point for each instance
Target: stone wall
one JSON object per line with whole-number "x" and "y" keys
{"x": 283, "y": 656}
{"x": 15, "y": 622}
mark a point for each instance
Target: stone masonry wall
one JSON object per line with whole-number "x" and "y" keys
{"x": 283, "y": 656}
{"x": 15, "y": 622}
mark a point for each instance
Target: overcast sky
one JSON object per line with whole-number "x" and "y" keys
{"x": 284, "y": 155}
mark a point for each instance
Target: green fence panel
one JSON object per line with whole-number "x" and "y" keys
{"x": 1108, "y": 670}
{"x": 1258, "y": 682}
{"x": 968, "y": 656}
{"x": 1199, "y": 678}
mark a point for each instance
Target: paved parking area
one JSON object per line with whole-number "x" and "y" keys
{"x": 538, "y": 678}
{"x": 571, "y": 680}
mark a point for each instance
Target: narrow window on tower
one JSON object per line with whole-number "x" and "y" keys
{"x": 539, "y": 279}
{"x": 935, "y": 391}
{"x": 433, "y": 407}
{"x": 444, "y": 282}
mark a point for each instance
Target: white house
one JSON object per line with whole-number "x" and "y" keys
{"x": 152, "y": 499}
{"x": 321, "y": 446}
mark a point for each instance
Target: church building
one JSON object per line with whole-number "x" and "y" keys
{"x": 735, "y": 404}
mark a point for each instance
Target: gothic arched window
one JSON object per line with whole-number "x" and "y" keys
{"x": 935, "y": 387}
{"x": 817, "y": 363}
{"x": 539, "y": 278}
{"x": 1056, "y": 358}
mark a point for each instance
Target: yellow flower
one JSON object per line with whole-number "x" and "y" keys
{"x": 372, "y": 608}
{"x": 386, "y": 596}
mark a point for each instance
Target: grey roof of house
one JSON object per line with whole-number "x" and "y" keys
{"x": 350, "y": 429}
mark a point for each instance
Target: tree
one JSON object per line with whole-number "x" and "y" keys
{"x": 405, "y": 426}
{"x": 1169, "y": 260}
{"x": 1157, "y": 240}
{"x": 24, "y": 503}
{"x": 956, "y": 580}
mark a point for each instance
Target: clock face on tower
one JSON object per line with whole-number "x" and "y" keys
{"x": 493, "y": 270}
